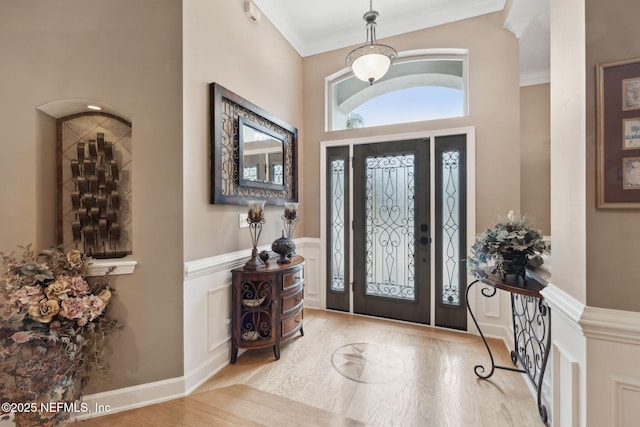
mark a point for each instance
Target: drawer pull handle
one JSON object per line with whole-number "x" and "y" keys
{"x": 297, "y": 277}
{"x": 298, "y": 299}
{"x": 298, "y": 320}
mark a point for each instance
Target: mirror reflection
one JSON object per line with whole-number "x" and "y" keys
{"x": 261, "y": 154}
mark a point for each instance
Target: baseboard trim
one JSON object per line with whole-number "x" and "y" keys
{"x": 133, "y": 397}
{"x": 206, "y": 370}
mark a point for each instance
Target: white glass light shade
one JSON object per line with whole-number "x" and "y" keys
{"x": 371, "y": 67}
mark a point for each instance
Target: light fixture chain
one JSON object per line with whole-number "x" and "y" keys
{"x": 371, "y": 61}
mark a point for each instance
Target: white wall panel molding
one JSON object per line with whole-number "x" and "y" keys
{"x": 310, "y": 248}
{"x": 625, "y": 401}
{"x": 564, "y": 305}
{"x": 611, "y": 325}
{"x": 207, "y": 307}
{"x": 595, "y": 353}
{"x": 224, "y": 262}
{"x": 566, "y": 388}
{"x": 568, "y": 359}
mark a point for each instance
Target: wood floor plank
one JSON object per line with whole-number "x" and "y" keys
{"x": 433, "y": 382}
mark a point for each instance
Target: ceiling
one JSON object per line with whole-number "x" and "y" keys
{"x": 314, "y": 27}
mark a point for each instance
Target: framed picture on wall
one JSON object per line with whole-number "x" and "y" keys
{"x": 631, "y": 93}
{"x": 631, "y": 133}
{"x": 618, "y": 136}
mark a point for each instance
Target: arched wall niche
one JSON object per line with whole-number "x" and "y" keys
{"x": 94, "y": 172}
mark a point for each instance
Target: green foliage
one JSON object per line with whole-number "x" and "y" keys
{"x": 511, "y": 240}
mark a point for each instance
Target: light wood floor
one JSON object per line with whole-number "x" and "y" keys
{"x": 433, "y": 383}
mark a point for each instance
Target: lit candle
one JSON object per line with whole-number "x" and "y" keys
{"x": 256, "y": 210}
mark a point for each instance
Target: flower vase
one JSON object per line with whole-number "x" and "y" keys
{"x": 514, "y": 267}
{"x": 57, "y": 407}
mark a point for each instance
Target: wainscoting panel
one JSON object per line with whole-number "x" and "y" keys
{"x": 309, "y": 248}
{"x": 207, "y": 308}
{"x": 613, "y": 377}
{"x": 492, "y": 313}
{"x": 567, "y": 388}
{"x": 568, "y": 359}
{"x": 625, "y": 401}
{"x": 218, "y": 317}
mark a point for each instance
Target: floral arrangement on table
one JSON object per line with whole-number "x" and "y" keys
{"x": 53, "y": 329}
{"x": 513, "y": 244}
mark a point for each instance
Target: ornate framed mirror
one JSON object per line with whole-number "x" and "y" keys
{"x": 253, "y": 154}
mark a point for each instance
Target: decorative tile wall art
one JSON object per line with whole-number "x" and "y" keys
{"x": 94, "y": 184}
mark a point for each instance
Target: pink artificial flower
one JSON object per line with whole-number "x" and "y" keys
{"x": 23, "y": 298}
{"x": 79, "y": 287}
{"x": 72, "y": 308}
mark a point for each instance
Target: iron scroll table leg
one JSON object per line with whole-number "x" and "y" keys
{"x": 479, "y": 369}
{"x": 544, "y": 344}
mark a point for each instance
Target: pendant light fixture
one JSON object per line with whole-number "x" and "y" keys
{"x": 371, "y": 61}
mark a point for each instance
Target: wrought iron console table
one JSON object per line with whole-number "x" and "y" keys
{"x": 531, "y": 330}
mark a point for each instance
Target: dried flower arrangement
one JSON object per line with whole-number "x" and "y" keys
{"x": 53, "y": 328}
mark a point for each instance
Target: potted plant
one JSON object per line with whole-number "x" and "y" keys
{"x": 53, "y": 328}
{"x": 507, "y": 248}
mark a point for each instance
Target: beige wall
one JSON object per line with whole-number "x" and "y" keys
{"x": 253, "y": 60}
{"x": 494, "y": 110}
{"x": 613, "y": 240}
{"x": 567, "y": 147}
{"x": 534, "y": 155}
{"x": 128, "y": 55}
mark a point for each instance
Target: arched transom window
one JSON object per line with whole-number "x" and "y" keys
{"x": 418, "y": 87}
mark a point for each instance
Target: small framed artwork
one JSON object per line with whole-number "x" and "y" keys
{"x": 631, "y": 93}
{"x": 631, "y": 134}
{"x": 618, "y": 136}
{"x": 631, "y": 173}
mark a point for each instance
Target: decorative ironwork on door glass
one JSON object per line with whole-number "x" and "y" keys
{"x": 450, "y": 162}
{"x": 278, "y": 174}
{"x": 251, "y": 173}
{"x": 337, "y": 225}
{"x": 390, "y": 234}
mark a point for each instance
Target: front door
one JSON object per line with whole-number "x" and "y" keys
{"x": 400, "y": 253}
{"x": 391, "y": 230}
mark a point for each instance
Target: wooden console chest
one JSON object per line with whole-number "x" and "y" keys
{"x": 267, "y": 305}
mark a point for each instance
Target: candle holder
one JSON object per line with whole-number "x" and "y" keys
{"x": 290, "y": 218}
{"x": 255, "y": 218}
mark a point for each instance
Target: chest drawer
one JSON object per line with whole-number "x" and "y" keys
{"x": 291, "y": 301}
{"x": 292, "y": 324}
{"x": 291, "y": 281}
